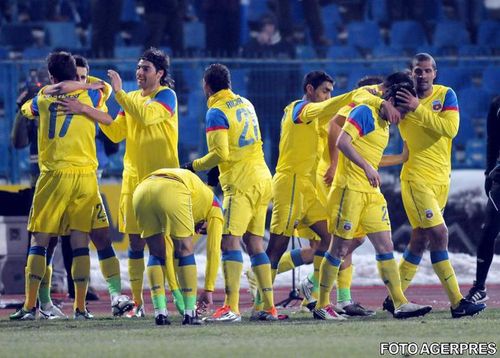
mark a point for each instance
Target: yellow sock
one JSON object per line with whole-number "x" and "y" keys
{"x": 344, "y": 281}
{"x": 443, "y": 269}
{"x": 261, "y": 267}
{"x": 290, "y": 260}
{"x": 35, "y": 270}
{"x": 408, "y": 267}
{"x": 232, "y": 265}
{"x": 389, "y": 273}
{"x": 80, "y": 270}
{"x": 327, "y": 276}
{"x": 317, "y": 260}
{"x": 136, "y": 274}
{"x": 170, "y": 274}
{"x": 45, "y": 285}
{"x": 156, "y": 278}
{"x": 110, "y": 268}
{"x": 188, "y": 281}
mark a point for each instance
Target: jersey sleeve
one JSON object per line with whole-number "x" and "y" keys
{"x": 360, "y": 122}
{"x": 97, "y": 98}
{"x": 162, "y": 107}
{"x": 214, "y": 236}
{"x": 215, "y": 120}
{"x": 445, "y": 122}
{"x": 106, "y": 91}
{"x": 321, "y": 111}
{"x": 116, "y": 131}
{"x": 363, "y": 96}
{"x": 30, "y": 108}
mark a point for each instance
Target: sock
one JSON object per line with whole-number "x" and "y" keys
{"x": 156, "y": 278}
{"x": 80, "y": 270}
{"x": 110, "y": 268}
{"x": 443, "y": 269}
{"x": 188, "y": 281}
{"x": 408, "y": 267}
{"x": 35, "y": 271}
{"x": 44, "y": 290}
{"x": 232, "y": 265}
{"x": 389, "y": 273}
{"x": 136, "y": 274}
{"x": 317, "y": 260}
{"x": 327, "y": 276}
{"x": 170, "y": 267}
{"x": 261, "y": 267}
{"x": 173, "y": 283}
{"x": 290, "y": 260}
{"x": 344, "y": 281}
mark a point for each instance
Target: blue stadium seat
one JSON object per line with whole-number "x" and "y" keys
{"x": 387, "y": 51}
{"x": 450, "y": 34}
{"x": 16, "y": 35}
{"x": 474, "y": 51}
{"x": 342, "y": 52}
{"x": 475, "y": 153}
{"x": 36, "y": 53}
{"x": 128, "y": 52}
{"x": 62, "y": 35}
{"x": 491, "y": 79}
{"x": 306, "y": 52}
{"x": 488, "y": 33}
{"x": 331, "y": 20}
{"x": 407, "y": 34}
{"x": 376, "y": 10}
{"x": 4, "y": 53}
{"x": 454, "y": 77}
{"x": 474, "y": 102}
{"x": 465, "y": 131}
{"x": 365, "y": 35}
{"x": 239, "y": 79}
{"x": 194, "y": 35}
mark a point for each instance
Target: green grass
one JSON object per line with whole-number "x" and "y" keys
{"x": 299, "y": 336}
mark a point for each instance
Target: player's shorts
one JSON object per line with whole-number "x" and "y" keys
{"x": 246, "y": 211}
{"x": 424, "y": 203}
{"x": 100, "y": 218}
{"x": 63, "y": 201}
{"x": 294, "y": 201}
{"x": 127, "y": 222}
{"x": 354, "y": 214}
{"x": 163, "y": 205}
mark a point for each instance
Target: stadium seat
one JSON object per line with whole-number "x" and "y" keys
{"x": 128, "y": 52}
{"x": 454, "y": 77}
{"x": 474, "y": 102}
{"x": 4, "y": 53}
{"x": 450, "y": 34}
{"x": 365, "y": 35}
{"x": 194, "y": 35}
{"x": 239, "y": 79}
{"x": 488, "y": 33}
{"x": 342, "y": 52}
{"x": 475, "y": 153}
{"x": 474, "y": 51}
{"x": 376, "y": 10}
{"x": 305, "y": 52}
{"x": 62, "y": 35}
{"x": 407, "y": 34}
{"x": 465, "y": 131}
{"x": 16, "y": 35}
{"x": 491, "y": 79}
{"x": 384, "y": 51}
{"x": 331, "y": 20}
{"x": 35, "y": 53}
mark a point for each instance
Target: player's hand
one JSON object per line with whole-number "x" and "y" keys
{"x": 116, "y": 81}
{"x": 407, "y": 100}
{"x": 205, "y": 302}
{"x": 213, "y": 177}
{"x": 188, "y": 166}
{"x": 392, "y": 114}
{"x": 201, "y": 227}
{"x": 328, "y": 176}
{"x": 96, "y": 85}
{"x": 71, "y": 106}
{"x": 372, "y": 176}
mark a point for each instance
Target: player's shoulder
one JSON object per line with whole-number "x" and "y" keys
{"x": 441, "y": 89}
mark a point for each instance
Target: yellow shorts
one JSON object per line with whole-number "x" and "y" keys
{"x": 127, "y": 222}
{"x": 100, "y": 217}
{"x": 294, "y": 201}
{"x": 424, "y": 203}
{"x": 354, "y": 214}
{"x": 246, "y": 211}
{"x": 163, "y": 205}
{"x": 63, "y": 202}
{"x": 322, "y": 189}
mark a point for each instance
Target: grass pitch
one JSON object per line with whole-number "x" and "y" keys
{"x": 300, "y": 336}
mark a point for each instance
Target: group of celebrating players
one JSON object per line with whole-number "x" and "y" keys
{"x": 326, "y": 186}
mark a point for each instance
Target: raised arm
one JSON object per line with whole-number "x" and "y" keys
{"x": 395, "y": 159}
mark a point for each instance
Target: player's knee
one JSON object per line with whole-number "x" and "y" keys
{"x": 100, "y": 238}
{"x": 438, "y": 233}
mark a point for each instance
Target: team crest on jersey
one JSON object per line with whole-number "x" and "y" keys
{"x": 429, "y": 214}
{"x": 437, "y": 105}
{"x": 347, "y": 225}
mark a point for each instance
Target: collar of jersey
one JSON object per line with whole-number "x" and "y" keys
{"x": 222, "y": 94}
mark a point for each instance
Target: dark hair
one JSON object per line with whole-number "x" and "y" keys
{"x": 61, "y": 66}
{"x": 81, "y": 62}
{"x": 161, "y": 61}
{"x": 315, "y": 79}
{"x": 217, "y": 77}
{"x": 393, "y": 90}
{"x": 370, "y": 80}
{"x": 421, "y": 57}
{"x": 397, "y": 77}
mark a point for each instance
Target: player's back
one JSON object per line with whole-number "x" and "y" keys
{"x": 245, "y": 165}
{"x": 65, "y": 141}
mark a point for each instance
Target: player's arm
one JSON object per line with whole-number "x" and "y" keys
{"x": 359, "y": 123}
{"x": 395, "y": 159}
{"x": 306, "y": 112}
{"x": 19, "y": 136}
{"x": 117, "y": 130}
{"x": 158, "y": 109}
{"x": 365, "y": 96}
{"x": 444, "y": 123}
{"x": 106, "y": 87}
{"x": 71, "y": 86}
{"x": 334, "y": 128}
{"x": 216, "y": 126}
{"x": 74, "y": 106}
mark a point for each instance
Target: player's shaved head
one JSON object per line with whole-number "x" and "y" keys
{"x": 217, "y": 77}
{"x": 316, "y": 79}
{"x": 61, "y": 66}
{"x": 161, "y": 61}
{"x": 422, "y": 57}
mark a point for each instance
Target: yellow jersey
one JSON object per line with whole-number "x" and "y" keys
{"x": 234, "y": 142}
{"x": 149, "y": 124}
{"x": 428, "y": 133}
{"x": 370, "y": 135}
{"x": 65, "y": 141}
{"x": 358, "y": 96}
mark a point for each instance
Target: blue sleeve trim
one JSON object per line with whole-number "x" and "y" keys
{"x": 450, "y": 101}
{"x": 168, "y": 99}
{"x": 259, "y": 259}
{"x": 297, "y": 110}
{"x": 362, "y": 118}
{"x": 215, "y": 120}
{"x": 385, "y": 257}
{"x": 232, "y": 255}
{"x": 155, "y": 261}
{"x": 34, "y": 106}
{"x": 438, "y": 256}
